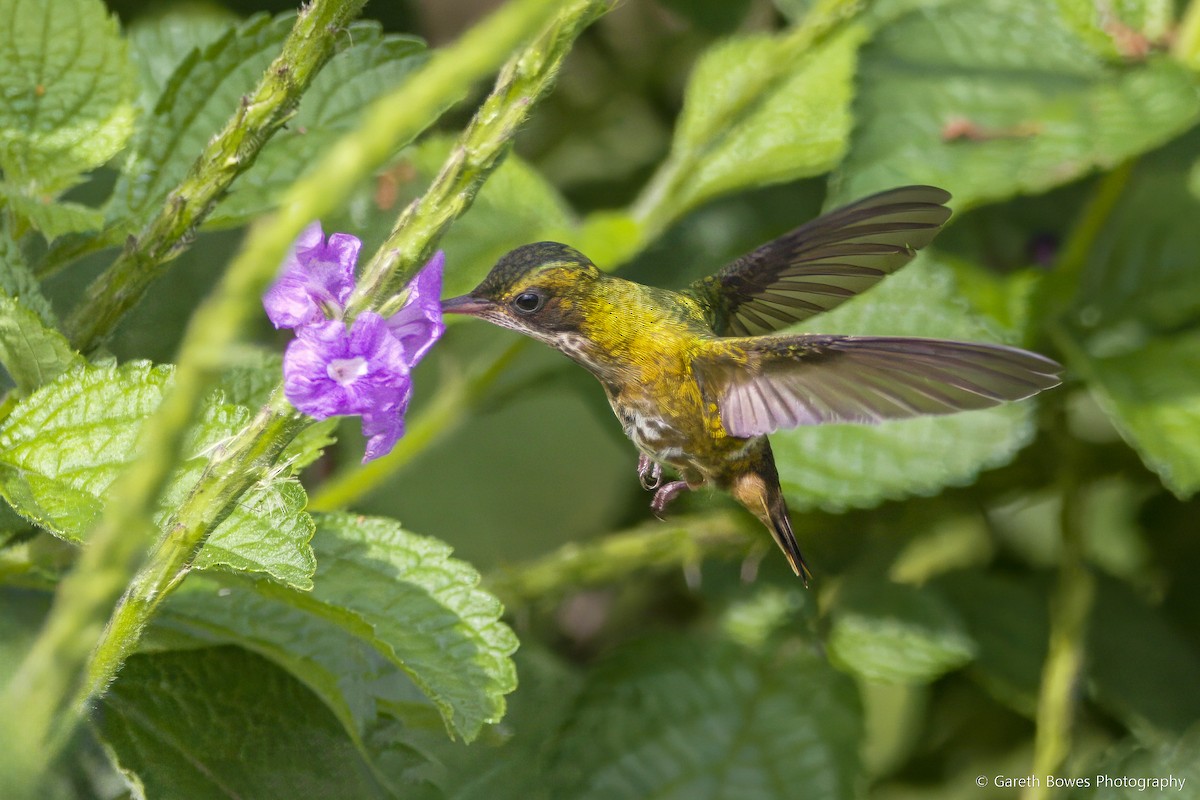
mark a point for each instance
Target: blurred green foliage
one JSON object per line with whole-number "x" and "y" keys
{"x": 997, "y": 592}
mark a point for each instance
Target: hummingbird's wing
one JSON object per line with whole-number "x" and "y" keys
{"x": 820, "y": 264}
{"x": 761, "y": 385}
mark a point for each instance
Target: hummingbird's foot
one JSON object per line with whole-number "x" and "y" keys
{"x": 649, "y": 473}
{"x": 665, "y": 494}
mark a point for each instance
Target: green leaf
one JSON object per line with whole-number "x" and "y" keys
{"x": 17, "y": 281}
{"x": 161, "y": 39}
{"x": 383, "y": 602}
{"x": 798, "y": 126}
{"x": 422, "y": 609}
{"x": 33, "y": 354}
{"x": 991, "y": 98}
{"x": 1123, "y": 30}
{"x": 256, "y": 373}
{"x": 890, "y": 633}
{"x": 344, "y": 669}
{"x": 52, "y": 218}
{"x": 222, "y": 723}
{"x": 1008, "y": 620}
{"x": 1134, "y": 770}
{"x": 682, "y": 718}
{"x": 515, "y": 768}
{"x": 67, "y": 89}
{"x": 840, "y": 466}
{"x": 201, "y": 95}
{"x": 1140, "y": 276}
{"x": 371, "y": 66}
{"x": 1141, "y": 667}
{"x": 515, "y": 206}
{"x": 1152, "y": 395}
{"x": 64, "y": 445}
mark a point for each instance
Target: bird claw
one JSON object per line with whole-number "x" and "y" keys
{"x": 664, "y": 496}
{"x": 649, "y": 473}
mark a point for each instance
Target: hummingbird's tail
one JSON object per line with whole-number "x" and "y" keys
{"x": 758, "y": 490}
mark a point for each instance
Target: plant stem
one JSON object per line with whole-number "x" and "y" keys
{"x": 1186, "y": 46}
{"x": 677, "y": 542}
{"x": 249, "y": 458}
{"x": 445, "y": 412}
{"x": 231, "y": 152}
{"x": 479, "y": 150}
{"x": 1071, "y": 603}
{"x": 36, "y": 708}
{"x": 1069, "y": 611}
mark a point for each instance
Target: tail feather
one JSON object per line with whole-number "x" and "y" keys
{"x": 781, "y": 529}
{"x": 758, "y": 490}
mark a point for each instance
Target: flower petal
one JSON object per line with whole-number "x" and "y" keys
{"x": 328, "y": 370}
{"x": 317, "y": 277}
{"x": 418, "y": 324}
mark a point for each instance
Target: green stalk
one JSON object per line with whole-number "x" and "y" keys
{"x": 36, "y": 708}
{"x": 1186, "y": 45}
{"x": 675, "y": 543}
{"x": 1070, "y": 609}
{"x": 230, "y": 153}
{"x": 1071, "y": 604}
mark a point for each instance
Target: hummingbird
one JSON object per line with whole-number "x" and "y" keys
{"x": 698, "y": 378}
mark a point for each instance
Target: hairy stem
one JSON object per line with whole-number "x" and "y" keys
{"x": 677, "y": 542}
{"x": 228, "y": 154}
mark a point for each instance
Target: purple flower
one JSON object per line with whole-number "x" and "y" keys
{"x": 328, "y": 370}
{"x": 331, "y": 370}
{"x": 418, "y": 324}
{"x": 315, "y": 281}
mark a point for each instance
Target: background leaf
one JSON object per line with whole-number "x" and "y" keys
{"x": 202, "y": 93}
{"x": 678, "y": 718}
{"x": 52, "y": 218}
{"x": 371, "y": 65}
{"x": 33, "y": 354}
{"x": 67, "y": 89}
{"x": 63, "y": 446}
{"x": 159, "y": 42}
{"x": 992, "y": 98}
{"x": 399, "y": 594}
{"x": 799, "y": 127}
{"x": 194, "y": 724}
{"x": 891, "y": 633}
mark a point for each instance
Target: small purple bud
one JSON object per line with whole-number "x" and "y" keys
{"x": 315, "y": 281}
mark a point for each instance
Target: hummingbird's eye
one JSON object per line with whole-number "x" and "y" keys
{"x": 528, "y": 302}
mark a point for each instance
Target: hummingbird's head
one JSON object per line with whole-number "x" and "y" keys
{"x": 538, "y": 289}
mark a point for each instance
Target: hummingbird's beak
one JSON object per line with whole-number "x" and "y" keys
{"x": 464, "y": 304}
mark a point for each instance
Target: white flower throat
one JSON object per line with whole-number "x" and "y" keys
{"x": 346, "y": 371}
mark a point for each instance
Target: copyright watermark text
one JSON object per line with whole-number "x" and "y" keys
{"x": 1153, "y": 783}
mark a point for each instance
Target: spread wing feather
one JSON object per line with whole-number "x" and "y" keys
{"x": 822, "y": 263}
{"x": 765, "y": 384}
